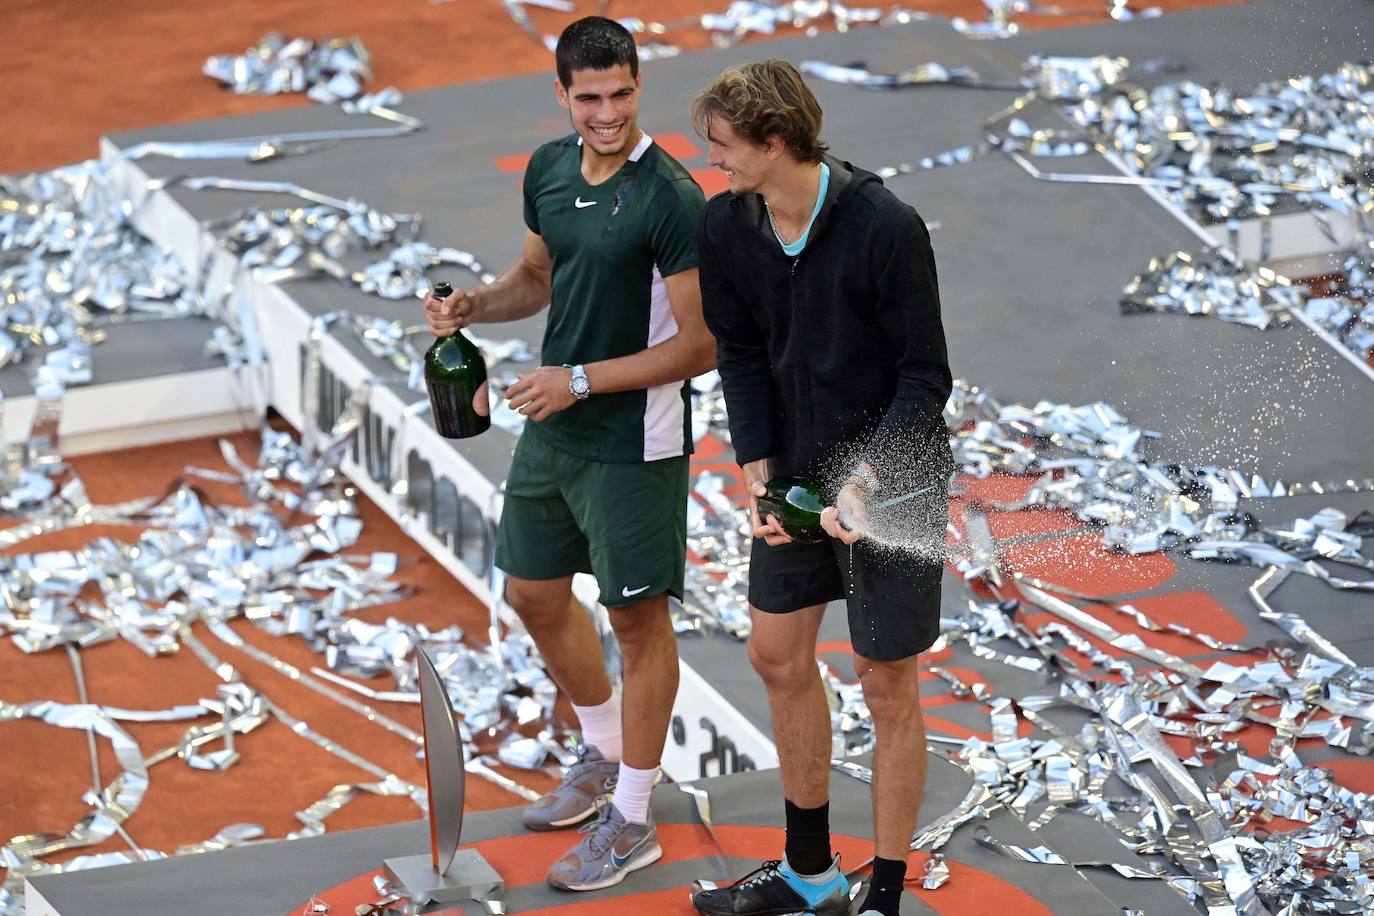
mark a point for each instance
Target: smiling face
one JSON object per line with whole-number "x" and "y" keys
{"x": 746, "y": 164}
{"x": 603, "y": 106}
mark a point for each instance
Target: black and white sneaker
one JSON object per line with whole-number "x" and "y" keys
{"x": 773, "y": 889}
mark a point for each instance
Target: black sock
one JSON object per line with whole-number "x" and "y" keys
{"x": 885, "y": 892}
{"x": 808, "y": 838}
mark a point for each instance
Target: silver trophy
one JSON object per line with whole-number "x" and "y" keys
{"x": 447, "y": 874}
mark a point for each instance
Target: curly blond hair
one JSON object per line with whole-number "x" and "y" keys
{"x": 764, "y": 99}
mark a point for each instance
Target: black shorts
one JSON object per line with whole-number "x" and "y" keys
{"x": 894, "y": 604}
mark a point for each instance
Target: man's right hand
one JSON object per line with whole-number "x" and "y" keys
{"x": 446, "y": 316}
{"x": 756, "y": 474}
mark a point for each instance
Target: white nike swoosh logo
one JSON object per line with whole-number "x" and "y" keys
{"x": 580, "y": 203}
{"x": 627, "y": 592}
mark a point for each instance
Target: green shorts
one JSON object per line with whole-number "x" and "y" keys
{"x": 624, "y": 523}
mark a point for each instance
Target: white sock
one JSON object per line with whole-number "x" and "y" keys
{"x": 601, "y": 726}
{"x": 632, "y": 793}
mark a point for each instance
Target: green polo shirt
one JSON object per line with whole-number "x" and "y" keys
{"x": 611, "y": 245}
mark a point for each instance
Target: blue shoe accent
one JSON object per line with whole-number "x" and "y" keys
{"x": 810, "y": 889}
{"x": 773, "y": 889}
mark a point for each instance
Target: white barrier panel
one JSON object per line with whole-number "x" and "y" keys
{"x": 35, "y": 904}
{"x": 145, "y": 411}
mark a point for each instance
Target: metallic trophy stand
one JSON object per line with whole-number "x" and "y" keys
{"x": 446, "y": 875}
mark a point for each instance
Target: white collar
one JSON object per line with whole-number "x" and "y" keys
{"x": 640, "y": 148}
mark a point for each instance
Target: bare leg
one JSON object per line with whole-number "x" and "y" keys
{"x": 565, "y": 635}
{"x": 649, "y": 649}
{"x": 899, "y": 760}
{"x": 782, "y": 649}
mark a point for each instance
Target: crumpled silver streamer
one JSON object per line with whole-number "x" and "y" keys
{"x": 408, "y": 269}
{"x": 764, "y": 17}
{"x": 314, "y": 816}
{"x": 851, "y": 723}
{"x": 927, "y": 74}
{"x": 241, "y": 710}
{"x": 329, "y": 71}
{"x": 1329, "y": 536}
{"x": 495, "y": 690}
{"x": 701, "y": 801}
{"x": 308, "y": 239}
{"x": 1212, "y": 285}
{"x": 716, "y": 589}
{"x": 1091, "y": 464}
{"x": 1020, "y": 137}
{"x": 742, "y": 17}
{"x": 1299, "y": 141}
{"x": 79, "y": 266}
{"x": 656, "y": 50}
{"x": 960, "y": 155}
{"x": 1047, "y": 77}
{"x": 294, "y": 243}
{"x": 935, "y": 873}
{"x": 1297, "y": 145}
{"x": 999, "y": 23}
{"x": 1196, "y": 822}
{"x": 112, "y": 806}
{"x": 1347, "y": 312}
{"x": 199, "y": 560}
{"x": 1050, "y": 77}
{"x": 1074, "y": 77}
{"x": 516, "y": 10}
{"x": 194, "y": 557}
{"x": 1294, "y": 625}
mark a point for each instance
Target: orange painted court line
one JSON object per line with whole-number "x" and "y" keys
{"x": 515, "y": 162}
{"x": 524, "y": 859}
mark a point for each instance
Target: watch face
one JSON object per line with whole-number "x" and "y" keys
{"x": 580, "y": 384}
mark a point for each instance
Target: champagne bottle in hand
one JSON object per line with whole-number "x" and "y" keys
{"x": 454, "y": 372}
{"x": 796, "y": 504}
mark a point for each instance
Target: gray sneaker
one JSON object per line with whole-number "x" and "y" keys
{"x": 611, "y": 848}
{"x": 573, "y": 800}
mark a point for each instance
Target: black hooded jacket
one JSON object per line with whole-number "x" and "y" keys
{"x": 838, "y": 354}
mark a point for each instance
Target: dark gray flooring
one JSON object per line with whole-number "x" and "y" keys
{"x": 275, "y": 877}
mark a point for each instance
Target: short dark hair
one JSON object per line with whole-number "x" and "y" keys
{"x": 594, "y": 43}
{"x": 764, "y": 99}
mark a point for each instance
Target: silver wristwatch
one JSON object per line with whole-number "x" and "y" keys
{"x": 579, "y": 385}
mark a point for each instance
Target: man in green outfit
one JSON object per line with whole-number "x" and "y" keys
{"x": 599, "y": 479}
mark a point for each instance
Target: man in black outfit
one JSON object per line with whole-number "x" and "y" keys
{"x": 819, "y": 285}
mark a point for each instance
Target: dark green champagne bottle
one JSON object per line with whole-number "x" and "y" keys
{"x": 796, "y": 503}
{"x": 454, "y": 370}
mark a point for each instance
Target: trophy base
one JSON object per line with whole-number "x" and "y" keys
{"x": 470, "y": 877}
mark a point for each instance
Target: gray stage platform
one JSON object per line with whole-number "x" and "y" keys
{"x": 273, "y": 878}
{"x": 1030, "y": 275}
{"x": 133, "y": 350}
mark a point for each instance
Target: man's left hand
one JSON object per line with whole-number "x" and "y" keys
{"x": 847, "y": 520}
{"x": 542, "y": 393}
